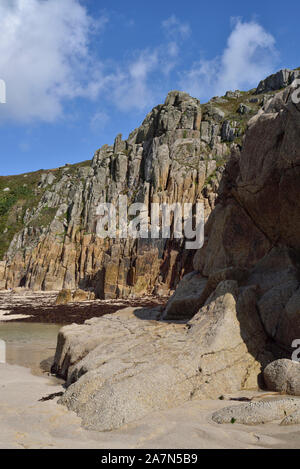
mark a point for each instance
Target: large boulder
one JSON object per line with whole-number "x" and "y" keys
{"x": 193, "y": 291}
{"x": 277, "y": 277}
{"x": 283, "y": 376}
{"x": 233, "y": 240}
{"x": 64, "y": 297}
{"x": 187, "y": 298}
{"x": 256, "y": 224}
{"x": 255, "y": 413}
{"x": 122, "y": 367}
{"x": 82, "y": 295}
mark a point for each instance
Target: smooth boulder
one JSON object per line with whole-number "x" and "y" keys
{"x": 283, "y": 376}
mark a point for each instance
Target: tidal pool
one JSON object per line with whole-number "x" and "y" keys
{"x": 29, "y": 344}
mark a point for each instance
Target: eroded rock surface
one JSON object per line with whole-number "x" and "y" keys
{"x": 292, "y": 419}
{"x": 278, "y": 80}
{"x": 177, "y": 155}
{"x": 283, "y": 376}
{"x": 242, "y": 295}
{"x": 167, "y": 159}
{"x": 254, "y": 413}
{"x": 255, "y": 224}
{"x": 242, "y": 287}
{"x": 122, "y": 367}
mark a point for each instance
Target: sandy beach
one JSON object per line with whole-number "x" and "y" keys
{"x": 26, "y": 422}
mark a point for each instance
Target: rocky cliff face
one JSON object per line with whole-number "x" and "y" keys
{"x": 255, "y": 228}
{"x": 47, "y": 230}
{"x": 48, "y": 235}
{"x": 239, "y": 308}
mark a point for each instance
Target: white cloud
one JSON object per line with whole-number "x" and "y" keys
{"x": 44, "y": 57}
{"x": 175, "y": 29}
{"x": 249, "y": 56}
{"x": 176, "y": 32}
{"x": 131, "y": 87}
{"x": 99, "y": 121}
{"x": 134, "y": 86}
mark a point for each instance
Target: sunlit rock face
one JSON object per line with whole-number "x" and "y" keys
{"x": 230, "y": 318}
{"x": 169, "y": 159}
{"x": 183, "y": 152}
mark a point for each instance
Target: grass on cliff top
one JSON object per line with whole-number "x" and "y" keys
{"x": 23, "y": 194}
{"x": 230, "y": 107}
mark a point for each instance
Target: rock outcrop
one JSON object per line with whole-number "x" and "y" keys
{"x": 278, "y": 80}
{"x": 283, "y": 376}
{"x": 242, "y": 297}
{"x": 48, "y": 235}
{"x": 255, "y": 224}
{"x": 119, "y": 368}
{"x": 173, "y": 157}
{"x": 236, "y": 307}
{"x": 67, "y": 296}
{"x": 254, "y": 413}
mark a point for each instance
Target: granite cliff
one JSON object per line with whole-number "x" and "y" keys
{"x": 236, "y": 312}
{"x": 178, "y": 154}
{"x": 236, "y": 306}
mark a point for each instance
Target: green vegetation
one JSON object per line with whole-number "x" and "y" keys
{"x": 230, "y": 107}
{"x": 22, "y": 193}
{"x": 220, "y": 161}
{"x": 44, "y": 218}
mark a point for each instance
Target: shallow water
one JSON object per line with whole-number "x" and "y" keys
{"x": 30, "y": 345}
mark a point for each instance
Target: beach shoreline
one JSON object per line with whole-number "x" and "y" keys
{"x": 26, "y": 422}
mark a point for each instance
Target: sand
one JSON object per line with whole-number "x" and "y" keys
{"x": 25, "y": 422}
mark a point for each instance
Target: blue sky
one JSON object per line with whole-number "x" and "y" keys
{"x": 78, "y": 72}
